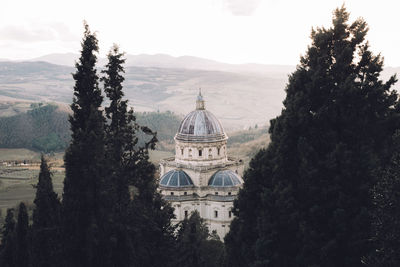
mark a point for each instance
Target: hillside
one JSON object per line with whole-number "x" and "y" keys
{"x": 239, "y": 99}
{"x": 45, "y": 127}
{"x": 245, "y": 144}
{"x": 165, "y": 123}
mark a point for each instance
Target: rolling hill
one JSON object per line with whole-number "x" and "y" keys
{"x": 45, "y": 127}
{"x": 240, "y": 95}
{"x": 237, "y": 99}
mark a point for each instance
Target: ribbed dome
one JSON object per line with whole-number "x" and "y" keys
{"x": 224, "y": 178}
{"x": 200, "y": 125}
{"x": 176, "y": 178}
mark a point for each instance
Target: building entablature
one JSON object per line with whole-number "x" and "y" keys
{"x": 198, "y": 167}
{"x": 209, "y": 197}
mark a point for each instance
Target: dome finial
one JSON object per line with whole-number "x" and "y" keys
{"x": 200, "y": 101}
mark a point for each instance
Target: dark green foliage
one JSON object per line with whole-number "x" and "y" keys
{"x": 119, "y": 140}
{"x": 195, "y": 246}
{"x": 306, "y": 199}
{"x": 150, "y": 218}
{"x": 240, "y": 240}
{"x": 8, "y": 240}
{"x": 146, "y": 218}
{"x": 165, "y": 123}
{"x": 46, "y": 221}
{"x": 44, "y": 128}
{"x": 387, "y": 212}
{"x": 22, "y": 245}
{"x": 84, "y": 188}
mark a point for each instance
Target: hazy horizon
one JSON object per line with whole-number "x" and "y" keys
{"x": 141, "y": 54}
{"x": 104, "y": 57}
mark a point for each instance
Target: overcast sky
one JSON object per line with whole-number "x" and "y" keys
{"x": 232, "y": 31}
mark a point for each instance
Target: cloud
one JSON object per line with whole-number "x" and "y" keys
{"x": 242, "y": 7}
{"x": 37, "y": 32}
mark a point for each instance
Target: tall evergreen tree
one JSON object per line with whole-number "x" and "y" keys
{"x": 387, "y": 212}
{"x": 312, "y": 184}
{"x": 46, "y": 221}
{"x": 7, "y": 246}
{"x": 22, "y": 244}
{"x": 241, "y": 239}
{"x": 147, "y": 217}
{"x": 119, "y": 139}
{"x": 120, "y": 131}
{"x": 196, "y": 247}
{"x": 150, "y": 218}
{"x": 84, "y": 187}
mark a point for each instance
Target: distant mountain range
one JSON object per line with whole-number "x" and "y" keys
{"x": 167, "y": 61}
{"x": 240, "y": 95}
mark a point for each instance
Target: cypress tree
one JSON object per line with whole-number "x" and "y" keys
{"x": 312, "y": 184}
{"x": 196, "y": 246}
{"x": 240, "y": 240}
{"x": 7, "y": 245}
{"x": 192, "y": 232}
{"x": 387, "y": 212}
{"x": 46, "y": 221}
{"x": 119, "y": 140}
{"x": 119, "y": 131}
{"x": 147, "y": 217}
{"x": 22, "y": 244}
{"x": 150, "y": 218}
{"x": 84, "y": 187}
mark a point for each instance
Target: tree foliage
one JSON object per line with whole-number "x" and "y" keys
{"x": 306, "y": 199}
{"x": 119, "y": 138}
{"x": 164, "y": 123}
{"x": 22, "y": 243}
{"x": 84, "y": 191}
{"x": 144, "y": 222}
{"x": 46, "y": 228}
{"x": 387, "y": 212}
{"x": 196, "y": 246}
{"x": 8, "y": 240}
{"x": 44, "y": 128}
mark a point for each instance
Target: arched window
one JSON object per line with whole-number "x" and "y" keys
{"x": 200, "y": 153}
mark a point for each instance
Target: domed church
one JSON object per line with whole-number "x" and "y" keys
{"x": 201, "y": 176}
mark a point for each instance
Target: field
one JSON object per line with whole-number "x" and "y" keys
{"x": 17, "y": 179}
{"x": 19, "y": 168}
{"x": 17, "y": 184}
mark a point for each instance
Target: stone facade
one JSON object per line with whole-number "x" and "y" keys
{"x": 201, "y": 176}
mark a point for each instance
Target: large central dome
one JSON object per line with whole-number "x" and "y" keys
{"x": 200, "y": 125}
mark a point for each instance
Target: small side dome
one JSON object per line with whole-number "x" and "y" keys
{"x": 224, "y": 178}
{"x": 176, "y": 178}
